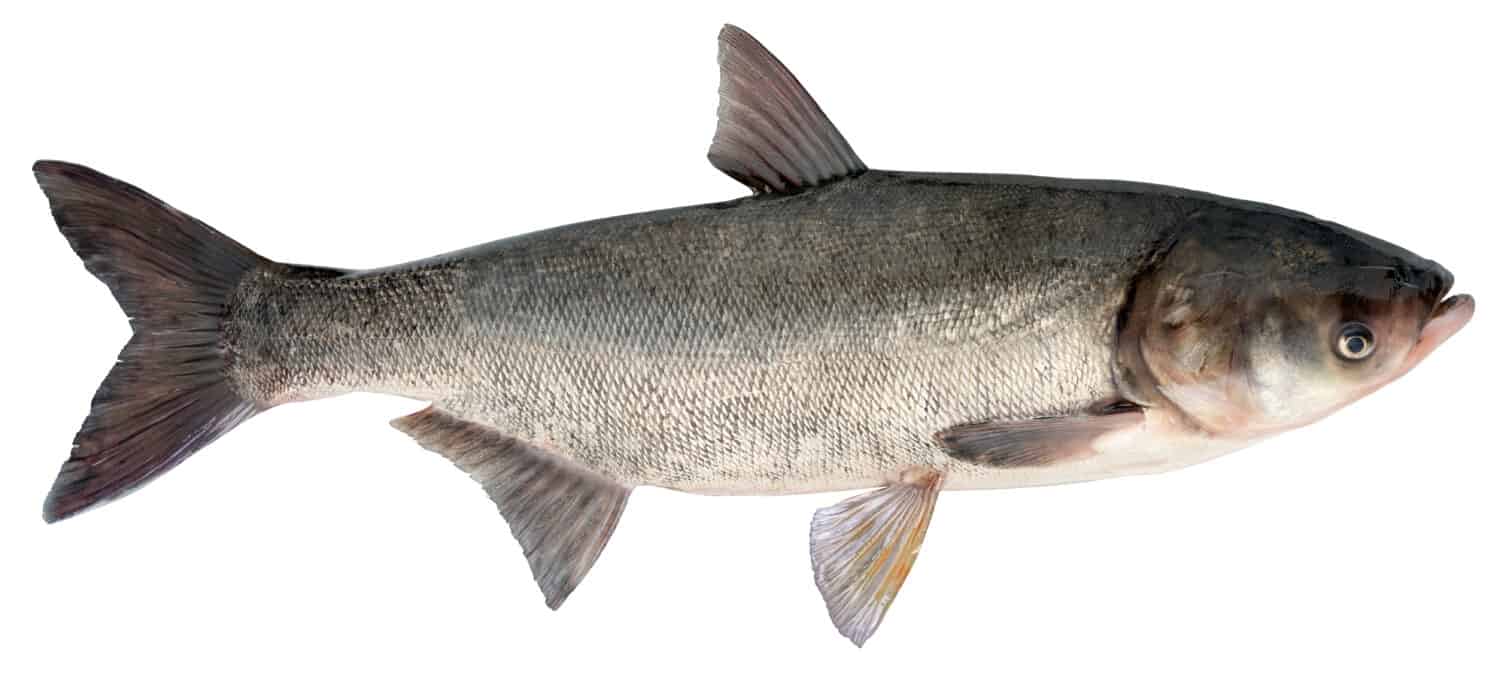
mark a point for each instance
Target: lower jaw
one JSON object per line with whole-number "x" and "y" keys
{"x": 1449, "y": 317}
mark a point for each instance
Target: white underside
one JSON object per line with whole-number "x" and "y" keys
{"x": 1159, "y": 444}
{"x": 1155, "y": 446}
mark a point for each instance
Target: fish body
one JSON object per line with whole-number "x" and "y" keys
{"x": 764, "y": 345}
{"x": 841, "y": 328}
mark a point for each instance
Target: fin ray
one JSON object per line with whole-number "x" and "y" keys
{"x": 772, "y": 136}
{"x": 864, "y": 547}
{"x": 1040, "y": 441}
{"x": 561, "y": 513}
{"x": 168, "y": 395}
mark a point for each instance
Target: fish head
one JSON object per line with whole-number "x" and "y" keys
{"x": 1253, "y": 321}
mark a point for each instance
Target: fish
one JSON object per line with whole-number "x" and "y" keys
{"x": 886, "y": 333}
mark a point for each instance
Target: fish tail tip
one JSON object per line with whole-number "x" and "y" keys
{"x": 55, "y": 509}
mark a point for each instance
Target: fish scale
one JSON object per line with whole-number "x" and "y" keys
{"x": 694, "y": 371}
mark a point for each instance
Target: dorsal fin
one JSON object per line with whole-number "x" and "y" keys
{"x": 772, "y": 136}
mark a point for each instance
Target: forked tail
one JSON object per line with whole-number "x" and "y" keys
{"x": 174, "y": 277}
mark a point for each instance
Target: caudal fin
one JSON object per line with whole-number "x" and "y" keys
{"x": 173, "y": 276}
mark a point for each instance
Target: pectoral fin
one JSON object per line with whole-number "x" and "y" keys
{"x": 560, "y": 512}
{"x": 863, "y": 548}
{"x": 1039, "y": 441}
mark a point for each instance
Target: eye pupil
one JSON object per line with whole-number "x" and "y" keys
{"x": 1355, "y": 341}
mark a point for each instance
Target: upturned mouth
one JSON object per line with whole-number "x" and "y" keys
{"x": 1448, "y": 318}
{"x": 1452, "y": 314}
{"x": 1457, "y": 302}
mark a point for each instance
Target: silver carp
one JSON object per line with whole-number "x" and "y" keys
{"x": 841, "y": 328}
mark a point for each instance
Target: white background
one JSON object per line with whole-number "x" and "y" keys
{"x": 316, "y": 548}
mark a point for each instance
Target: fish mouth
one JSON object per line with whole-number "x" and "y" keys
{"x": 1450, "y": 316}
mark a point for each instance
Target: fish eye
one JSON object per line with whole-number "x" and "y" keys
{"x": 1355, "y": 341}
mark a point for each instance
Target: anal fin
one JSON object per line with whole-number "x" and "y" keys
{"x": 562, "y": 513}
{"x": 863, "y": 548}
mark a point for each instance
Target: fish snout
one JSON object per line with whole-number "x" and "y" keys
{"x": 1435, "y": 282}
